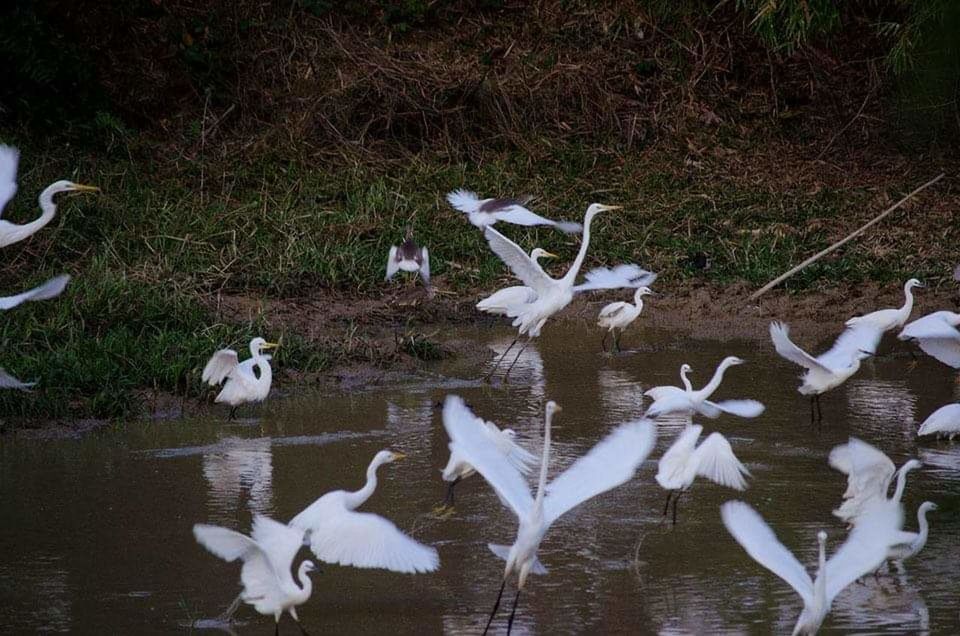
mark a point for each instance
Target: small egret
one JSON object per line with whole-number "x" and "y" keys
{"x": 7, "y": 381}
{"x": 486, "y": 212}
{"x": 908, "y": 544}
{"x": 409, "y": 257}
{"x": 498, "y": 302}
{"x": 938, "y": 334}
{"x": 552, "y": 294}
{"x": 887, "y": 319}
{"x": 619, "y": 316}
{"x": 684, "y": 461}
{"x": 267, "y": 556}
{"x": 339, "y": 534}
{"x": 50, "y": 289}
{"x": 11, "y": 232}
{"x": 458, "y": 468}
{"x": 869, "y": 474}
{"x": 945, "y": 421}
{"x": 832, "y": 368}
{"x": 243, "y": 385}
{"x": 610, "y": 463}
{"x": 863, "y": 552}
{"x": 671, "y": 399}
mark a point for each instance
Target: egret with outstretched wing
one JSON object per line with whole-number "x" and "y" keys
{"x": 486, "y": 212}
{"x": 243, "y": 385}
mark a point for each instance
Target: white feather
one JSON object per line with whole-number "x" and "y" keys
{"x": 50, "y": 289}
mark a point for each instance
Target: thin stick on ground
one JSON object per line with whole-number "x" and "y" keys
{"x": 776, "y": 281}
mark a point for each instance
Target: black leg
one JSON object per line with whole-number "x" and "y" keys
{"x": 616, "y": 340}
{"x": 666, "y": 506}
{"x": 276, "y": 629}
{"x": 233, "y": 413}
{"x": 519, "y": 353}
{"x": 813, "y": 399}
{"x": 228, "y": 613}
{"x": 496, "y": 605}
{"x": 603, "y": 342}
{"x": 500, "y": 359}
{"x": 513, "y": 612}
{"x": 302, "y": 630}
{"x": 819, "y": 411}
{"x": 448, "y": 500}
{"x": 675, "y": 500}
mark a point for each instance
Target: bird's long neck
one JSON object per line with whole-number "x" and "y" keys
{"x": 907, "y": 303}
{"x": 305, "y": 584}
{"x": 544, "y": 466}
{"x": 924, "y": 525}
{"x": 901, "y": 482}
{"x": 714, "y": 382}
{"x": 582, "y": 254}
{"x": 638, "y": 301}
{"x": 48, "y": 209}
{"x": 356, "y": 498}
{"x": 686, "y": 381}
{"x": 820, "y": 584}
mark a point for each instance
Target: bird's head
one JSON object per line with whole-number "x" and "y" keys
{"x": 686, "y": 368}
{"x": 309, "y": 566}
{"x": 822, "y": 537}
{"x": 538, "y": 253}
{"x": 552, "y": 409}
{"x": 597, "y": 208}
{"x": 927, "y": 506}
{"x": 913, "y": 282}
{"x": 69, "y": 186}
{"x": 913, "y": 464}
{"x": 732, "y": 361}
{"x": 644, "y": 291}
{"x": 258, "y": 345}
{"x": 509, "y": 432}
{"x": 387, "y": 456}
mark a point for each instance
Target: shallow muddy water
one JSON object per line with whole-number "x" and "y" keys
{"x": 96, "y": 533}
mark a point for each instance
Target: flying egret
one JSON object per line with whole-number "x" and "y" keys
{"x": 938, "y": 334}
{"x": 671, "y": 399}
{"x": 887, "y": 319}
{"x": 945, "y": 421}
{"x": 684, "y": 461}
{"x": 619, "y": 315}
{"x": 337, "y": 533}
{"x": 908, "y": 544}
{"x": 552, "y": 294}
{"x": 50, "y": 289}
{"x": 267, "y": 556}
{"x": 11, "y": 232}
{"x": 486, "y": 212}
{"x": 869, "y": 474}
{"x": 863, "y": 552}
{"x": 458, "y": 468}
{"x": 829, "y": 369}
{"x": 498, "y": 302}
{"x": 610, "y": 463}
{"x": 243, "y": 385}
{"x": 7, "y": 381}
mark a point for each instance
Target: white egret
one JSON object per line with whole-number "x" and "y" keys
{"x": 908, "y": 544}
{"x": 458, "y": 468}
{"x": 869, "y": 474}
{"x": 619, "y": 315}
{"x": 610, "y": 463}
{"x": 337, "y": 533}
{"x": 887, "y": 319}
{"x": 938, "y": 334}
{"x": 486, "y": 212}
{"x": 945, "y": 421}
{"x": 243, "y": 385}
{"x": 11, "y": 232}
{"x": 671, "y": 399}
{"x": 50, "y": 289}
{"x": 552, "y": 294}
{"x": 829, "y": 369}
{"x": 498, "y": 302}
{"x": 409, "y": 257}
{"x": 267, "y": 555}
{"x": 863, "y": 552}
{"x": 7, "y": 381}
{"x": 684, "y": 461}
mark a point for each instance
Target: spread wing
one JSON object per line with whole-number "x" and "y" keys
{"x": 9, "y": 157}
{"x": 715, "y": 460}
{"x": 741, "y": 408}
{"x": 621, "y": 276}
{"x": 50, "y": 289}
{"x": 944, "y": 419}
{"x": 865, "y": 548}
{"x": 674, "y": 460}
{"x": 862, "y": 336}
{"x": 464, "y": 200}
{"x": 220, "y": 366}
{"x": 7, "y": 381}
{"x": 672, "y": 402}
{"x": 936, "y": 336}
{"x": 523, "y": 267}
{"x": 868, "y": 469}
{"x": 393, "y": 265}
{"x": 278, "y": 541}
{"x": 521, "y": 458}
{"x": 780, "y": 334}
{"x": 425, "y": 266}
{"x": 607, "y": 465}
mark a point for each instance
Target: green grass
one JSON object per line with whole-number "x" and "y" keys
{"x": 146, "y": 251}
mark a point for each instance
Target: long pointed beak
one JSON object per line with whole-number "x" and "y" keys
{"x": 399, "y": 456}
{"x": 549, "y": 255}
{"x": 79, "y": 187}
{"x": 612, "y": 207}
{"x": 270, "y": 345}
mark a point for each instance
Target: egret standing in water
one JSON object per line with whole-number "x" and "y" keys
{"x": 267, "y": 556}
{"x": 671, "y": 399}
{"x": 945, "y": 421}
{"x": 409, "y": 257}
{"x": 909, "y": 544}
{"x": 486, "y": 212}
{"x": 337, "y": 533}
{"x": 11, "y": 232}
{"x": 869, "y": 473}
{"x": 243, "y": 385}
{"x": 863, "y": 552}
{"x": 619, "y": 316}
{"x": 888, "y": 319}
{"x": 938, "y": 335}
{"x": 610, "y": 463}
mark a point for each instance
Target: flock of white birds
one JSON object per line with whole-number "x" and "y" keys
{"x": 336, "y": 532}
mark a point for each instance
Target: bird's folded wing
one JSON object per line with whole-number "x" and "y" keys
{"x": 610, "y": 463}
{"x": 518, "y": 261}
{"x": 715, "y": 460}
{"x": 221, "y": 364}
{"x": 7, "y": 381}
{"x": 780, "y": 334}
{"x": 611, "y": 310}
{"x": 366, "y": 540}
{"x": 755, "y": 536}
{"x": 865, "y": 549}
{"x": 9, "y": 157}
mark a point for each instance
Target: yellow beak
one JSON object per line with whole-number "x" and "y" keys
{"x": 79, "y": 187}
{"x": 397, "y": 456}
{"x": 547, "y": 254}
{"x": 270, "y": 345}
{"x": 612, "y": 207}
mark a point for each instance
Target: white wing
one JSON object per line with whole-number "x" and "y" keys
{"x": 425, "y": 266}
{"x": 498, "y": 301}
{"x": 612, "y": 309}
{"x": 50, "y": 289}
{"x": 659, "y": 392}
{"x": 937, "y": 336}
{"x": 464, "y": 200}
{"x": 607, "y": 465}
{"x": 524, "y": 267}
{"x": 945, "y": 419}
{"x": 223, "y": 542}
{"x": 8, "y": 175}
{"x": 519, "y": 215}
{"x": 621, "y": 276}
{"x": 503, "y": 551}
{"x": 220, "y": 366}
{"x": 868, "y": 469}
{"x": 780, "y": 334}
{"x": 672, "y": 464}
{"x": 859, "y": 337}
{"x": 393, "y": 266}
{"x": 366, "y": 540}
{"x": 521, "y": 458}
{"x": 756, "y": 537}
{"x": 715, "y": 460}
{"x": 945, "y": 350}
{"x": 468, "y": 438}
{"x": 7, "y": 381}
{"x": 741, "y": 408}
{"x": 278, "y": 541}
{"x": 865, "y": 548}
{"x": 678, "y": 402}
